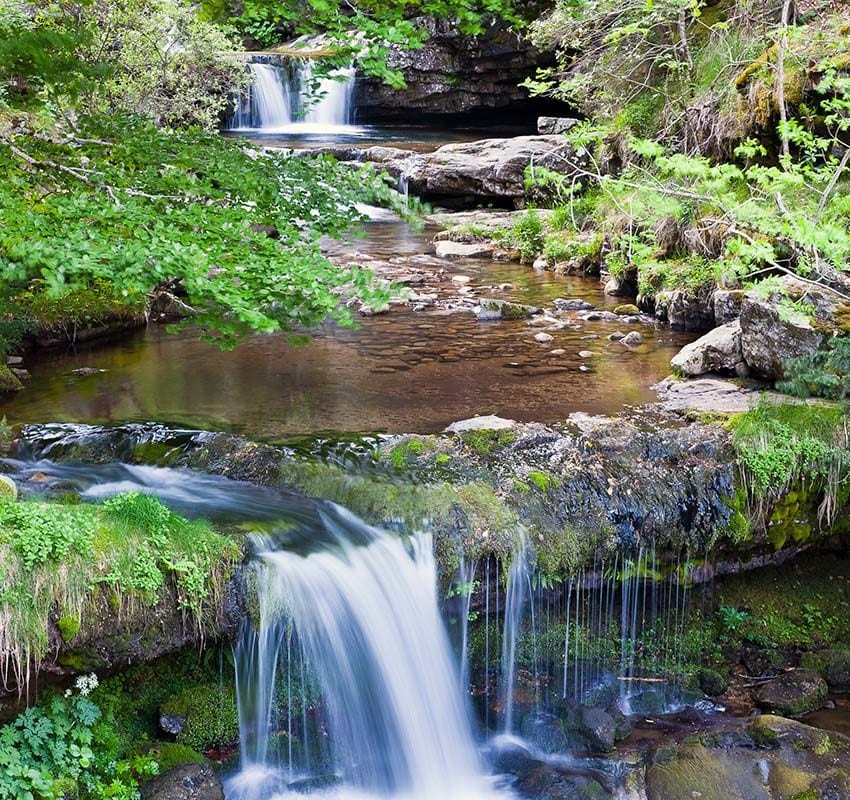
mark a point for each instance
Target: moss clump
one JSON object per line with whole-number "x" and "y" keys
{"x": 627, "y": 310}
{"x": 173, "y": 754}
{"x": 8, "y": 380}
{"x": 712, "y": 682}
{"x": 68, "y": 626}
{"x": 209, "y": 714}
{"x": 8, "y": 488}
{"x": 485, "y": 441}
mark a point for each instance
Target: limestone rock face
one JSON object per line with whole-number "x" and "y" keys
{"x": 457, "y": 76}
{"x": 718, "y": 350}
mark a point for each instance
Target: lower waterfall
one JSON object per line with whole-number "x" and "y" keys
{"x": 359, "y": 617}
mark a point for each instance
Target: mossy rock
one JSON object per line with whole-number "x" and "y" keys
{"x": 837, "y": 670}
{"x": 786, "y": 781}
{"x": 712, "y": 682}
{"x": 173, "y": 754}
{"x": 627, "y": 310}
{"x": 8, "y": 488}
{"x": 208, "y": 714}
{"x": 793, "y": 694}
{"x": 69, "y": 627}
{"x": 8, "y": 380}
{"x": 695, "y": 771}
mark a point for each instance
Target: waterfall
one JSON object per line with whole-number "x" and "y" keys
{"x": 362, "y": 609}
{"x": 286, "y": 99}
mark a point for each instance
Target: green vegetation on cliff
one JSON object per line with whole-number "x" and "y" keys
{"x": 76, "y": 568}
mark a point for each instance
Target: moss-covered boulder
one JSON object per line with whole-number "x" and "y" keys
{"x": 793, "y": 694}
{"x": 203, "y": 717}
{"x": 9, "y": 382}
{"x": 837, "y": 670}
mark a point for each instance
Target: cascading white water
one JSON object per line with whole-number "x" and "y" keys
{"x": 363, "y": 609}
{"x": 284, "y": 99}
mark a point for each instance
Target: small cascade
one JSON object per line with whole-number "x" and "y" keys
{"x": 285, "y": 98}
{"x": 356, "y": 623}
{"x": 516, "y": 599}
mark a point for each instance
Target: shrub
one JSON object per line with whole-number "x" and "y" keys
{"x": 528, "y": 234}
{"x": 825, "y": 373}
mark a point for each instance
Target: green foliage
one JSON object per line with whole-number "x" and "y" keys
{"x": 732, "y": 618}
{"x": 165, "y": 210}
{"x": 780, "y": 446}
{"x": 485, "y": 441}
{"x": 209, "y": 713}
{"x": 365, "y": 32}
{"x": 59, "y": 749}
{"x": 69, "y": 559}
{"x": 528, "y": 235}
{"x": 825, "y": 373}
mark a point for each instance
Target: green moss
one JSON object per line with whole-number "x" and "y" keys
{"x": 169, "y": 755}
{"x": 209, "y": 714}
{"x": 541, "y": 480}
{"x": 485, "y": 441}
{"x": 8, "y": 380}
{"x": 8, "y": 487}
{"x": 68, "y": 627}
{"x": 442, "y": 459}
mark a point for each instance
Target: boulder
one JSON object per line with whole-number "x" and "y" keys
{"x": 626, "y": 310}
{"x": 185, "y": 782}
{"x": 487, "y": 168}
{"x": 489, "y": 422}
{"x": 556, "y": 124}
{"x": 493, "y": 308}
{"x": 546, "y": 782}
{"x": 770, "y": 335}
{"x": 718, "y": 350}
{"x": 618, "y": 287}
{"x": 448, "y": 249}
{"x": 727, "y": 305}
{"x": 838, "y": 670}
{"x": 793, "y": 694}
{"x": 632, "y": 339}
{"x": 686, "y": 310}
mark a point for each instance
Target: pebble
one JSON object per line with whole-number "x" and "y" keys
{"x": 632, "y": 339}
{"x": 583, "y": 368}
{"x": 461, "y": 279}
{"x": 558, "y": 351}
{"x": 585, "y": 354}
{"x": 543, "y": 338}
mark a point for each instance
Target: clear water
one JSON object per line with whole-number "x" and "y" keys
{"x": 402, "y": 372}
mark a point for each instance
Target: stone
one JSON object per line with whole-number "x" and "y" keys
{"x": 558, "y": 351}
{"x": 770, "y": 336}
{"x": 371, "y": 311}
{"x": 543, "y": 338}
{"x": 710, "y": 395}
{"x": 449, "y": 249}
{"x": 185, "y": 782}
{"x": 718, "y": 350}
{"x": 632, "y": 339}
{"x": 8, "y": 487}
{"x": 540, "y": 264}
{"x": 686, "y": 310}
{"x": 627, "y": 309}
{"x": 793, "y": 693}
{"x": 727, "y": 305}
{"x": 615, "y": 287}
{"x": 616, "y": 336}
{"x": 573, "y": 304}
{"x": 546, "y": 782}
{"x": 837, "y": 670}
{"x": 21, "y": 374}
{"x": 555, "y": 124}
{"x": 14, "y": 361}
{"x": 86, "y": 372}
{"x": 585, "y": 354}
{"x": 9, "y": 382}
{"x": 493, "y": 65}
{"x": 489, "y": 422}
{"x": 487, "y": 168}
{"x": 460, "y": 279}
{"x": 493, "y": 308}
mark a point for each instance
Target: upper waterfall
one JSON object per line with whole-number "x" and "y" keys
{"x": 285, "y": 98}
